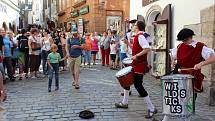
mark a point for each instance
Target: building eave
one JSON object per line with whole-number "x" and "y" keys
{"x": 11, "y": 5}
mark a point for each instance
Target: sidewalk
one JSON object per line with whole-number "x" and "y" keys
{"x": 29, "y": 100}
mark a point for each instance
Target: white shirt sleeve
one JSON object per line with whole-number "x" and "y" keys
{"x": 173, "y": 53}
{"x": 143, "y": 42}
{"x": 207, "y": 52}
{"x": 15, "y": 40}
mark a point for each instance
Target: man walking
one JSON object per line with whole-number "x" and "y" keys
{"x": 74, "y": 51}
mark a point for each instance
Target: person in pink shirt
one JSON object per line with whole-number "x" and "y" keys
{"x": 94, "y": 49}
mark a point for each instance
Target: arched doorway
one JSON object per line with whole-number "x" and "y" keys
{"x": 152, "y": 15}
{"x": 158, "y": 23}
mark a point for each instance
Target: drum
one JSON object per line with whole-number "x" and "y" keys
{"x": 178, "y": 95}
{"x": 127, "y": 62}
{"x": 125, "y": 76}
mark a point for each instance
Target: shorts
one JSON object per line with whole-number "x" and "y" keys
{"x": 74, "y": 64}
{"x": 123, "y": 56}
{"x": 21, "y": 58}
{"x": 113, "y": 57}
{"x": 94, "y": 52}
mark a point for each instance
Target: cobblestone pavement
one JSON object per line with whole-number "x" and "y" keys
{"x": 29, "y": 100}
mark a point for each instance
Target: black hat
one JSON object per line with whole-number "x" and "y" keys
{"x": 184, "y": 34}
{"x": 86, "y": 114}
{"x": 133, "y": 21}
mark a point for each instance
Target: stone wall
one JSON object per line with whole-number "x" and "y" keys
{"x": 205, "y": 33}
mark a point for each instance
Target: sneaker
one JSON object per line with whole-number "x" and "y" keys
{"x": 33, "y": 77}
{"x": 12, "y": 79}
{"x": 26, "y": 76}
{"x": 150, "y": 114}
{"x": 73, "y": 83}
{"x": 20, "y": 78}
{"x": 77, "y": 86}
{"x": 56, "y": 88}
{"x": 121, "y": 105}
{"x": 49, "y": 90}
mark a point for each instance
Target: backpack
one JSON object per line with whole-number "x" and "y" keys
{"x": 23, "y": 43}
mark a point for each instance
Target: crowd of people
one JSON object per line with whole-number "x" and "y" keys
{"x": 25, "y": 52}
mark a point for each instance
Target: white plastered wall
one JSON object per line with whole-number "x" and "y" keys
{"x": 184, "y": 12}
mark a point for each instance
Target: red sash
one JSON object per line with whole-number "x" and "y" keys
{"x": 188, "y": 57}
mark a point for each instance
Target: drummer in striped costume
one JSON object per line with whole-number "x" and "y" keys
{"x": 140, "y": 48}
{"x": 191, "y": 54}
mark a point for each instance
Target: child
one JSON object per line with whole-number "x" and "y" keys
{"x": 123, "y": 51}
{"x": 113, "y": 49}
{"x": 53, "y": 61}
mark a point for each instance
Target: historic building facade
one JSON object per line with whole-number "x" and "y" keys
{"x": 10, "y": 13}
{"x": 93, "y": 15}
{"x": 165, "y": 18}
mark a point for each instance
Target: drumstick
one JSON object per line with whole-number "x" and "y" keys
{"x": 185, "y": 69}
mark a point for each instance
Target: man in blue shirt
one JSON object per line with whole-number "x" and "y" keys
{"x": 2, "y": 54}
{"x": 74, "y": 52}
{"x": 7, "y": 56}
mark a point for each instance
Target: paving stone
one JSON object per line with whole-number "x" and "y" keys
{"x": 28, "y": 100}
{"x": 43, "y": 117}
{"x": 21, "y": 116}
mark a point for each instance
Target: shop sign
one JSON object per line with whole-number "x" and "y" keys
{"x": 74, "y": 13}
{"x": 3, "y": 8}
{"x": 80, "y": 26}
{"x": 84, "y": 10}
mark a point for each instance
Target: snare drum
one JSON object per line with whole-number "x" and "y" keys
{"x": 125, "y": 76}
{"x": 127, "y": 62}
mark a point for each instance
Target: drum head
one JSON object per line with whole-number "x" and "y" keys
{"x": 177, "y": 77}
{"x": 124, "y": 71}
{"x": 127, "y": 61}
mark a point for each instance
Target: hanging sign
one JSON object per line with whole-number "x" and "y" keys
{"x": 84, "y": 10}
{"x": 74, "y": 13}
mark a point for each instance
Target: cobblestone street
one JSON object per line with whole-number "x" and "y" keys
{"x": 29, "y": 100}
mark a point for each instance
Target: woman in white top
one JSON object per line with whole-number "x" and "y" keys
{"x": 46, "y": 47}
{"x": 34, "y": 44}
{"x": 113, "y": 52}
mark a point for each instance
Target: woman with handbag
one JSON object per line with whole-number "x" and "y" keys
{"x": 34, "y": 44}
{"x": 46, "y": 47}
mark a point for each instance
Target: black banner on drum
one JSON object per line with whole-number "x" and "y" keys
{"x": 173, "y": 94}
